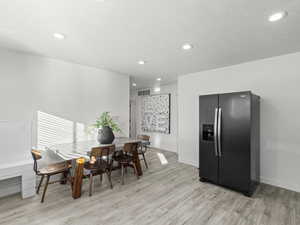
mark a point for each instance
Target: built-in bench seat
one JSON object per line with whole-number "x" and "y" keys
{"x": 25, "y": 184}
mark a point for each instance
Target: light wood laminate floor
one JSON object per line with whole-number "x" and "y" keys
{"x": 166, "y": 195}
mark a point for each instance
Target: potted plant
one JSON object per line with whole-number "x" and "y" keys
{"x": 106, "y": 126}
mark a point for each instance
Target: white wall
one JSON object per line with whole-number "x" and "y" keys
{"x": 158, "y": 140}
{"x": 277, "y": 81}
{"x": 15, "y": 137}
{"x": 75, "y": 92}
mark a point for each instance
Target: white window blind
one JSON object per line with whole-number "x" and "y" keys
{"x": 53, "y": 130}
{"x": 84, "y": 133}
{"x": 81, "y": 134}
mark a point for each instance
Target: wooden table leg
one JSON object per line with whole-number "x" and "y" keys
{"x": 137, "y": 163}
{"x": 77, "y": 183}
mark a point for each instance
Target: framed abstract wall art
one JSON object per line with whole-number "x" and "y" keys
{"x": 156, "y": 113}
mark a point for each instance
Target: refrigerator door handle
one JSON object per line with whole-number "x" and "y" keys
{"x": 219, "y": 131}
{"x": 216, "y": 131}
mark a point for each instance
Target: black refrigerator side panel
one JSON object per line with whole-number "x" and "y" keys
{"x": 208, "y": 161}
{"x": 234, "y": 163}
{"x": 255, "y": 141}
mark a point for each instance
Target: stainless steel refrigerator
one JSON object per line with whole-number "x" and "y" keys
{"x": 229, "y": 140}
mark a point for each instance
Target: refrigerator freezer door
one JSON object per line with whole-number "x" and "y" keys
{"x": 234, "y": 168}
{"x": 208, "y": 159}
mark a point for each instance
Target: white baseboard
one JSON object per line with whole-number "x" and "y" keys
{"x": 188, "y": 163}
{"x": 273, "y": 182}
{"x": 162, "y": 149}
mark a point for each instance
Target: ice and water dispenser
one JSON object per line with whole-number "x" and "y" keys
{"x": 208, "y": 132}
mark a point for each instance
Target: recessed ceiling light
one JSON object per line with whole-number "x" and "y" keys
{"x": 187, "y": 47}
{"x": 59, "y": 36}
{"x": 141, "y": 62}
{"x": 277, "y": 16}
{"x": 134, "y": 84}
{"x": 157, "y": 89}
{"x": 158, "y": 79}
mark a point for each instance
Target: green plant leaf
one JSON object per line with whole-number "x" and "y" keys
{"x": 106, "y": 120}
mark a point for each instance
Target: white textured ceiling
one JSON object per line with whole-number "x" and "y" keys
{"x": 115, "y": 34}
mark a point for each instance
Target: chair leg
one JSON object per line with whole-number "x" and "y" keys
{"x": 64, "y": 177}
{"x": 101, "y": 178}
{"x": 120, "y": 166}
{"x": 70, "y": 179}
{"x": 40, "y": 184}
{"x": 91, "y": 184}
{"x": 109, "y": 178}
{"x": 122, "y": 171}
{"x": 45, "y": 189}
{"x": 135, "y": 171}
{"x": 146, "y": 164}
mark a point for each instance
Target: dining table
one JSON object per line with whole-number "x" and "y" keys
{"x": 71, "y": 152}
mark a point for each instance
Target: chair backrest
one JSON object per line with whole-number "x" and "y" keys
{"x": 103, "y": 153}
{"x": 143, "y": 137}
{"x": 36, "y": 155}
{"x": 131, "y": 147}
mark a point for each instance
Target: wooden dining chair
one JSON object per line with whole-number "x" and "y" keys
{"x": 143, "y": 147}
{"x": 127, "y": 159}
{"x": 103, "y": 164}
{"x": 48, "y": 171}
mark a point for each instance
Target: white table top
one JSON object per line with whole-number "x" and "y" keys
{"x": 70, "y": 151}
